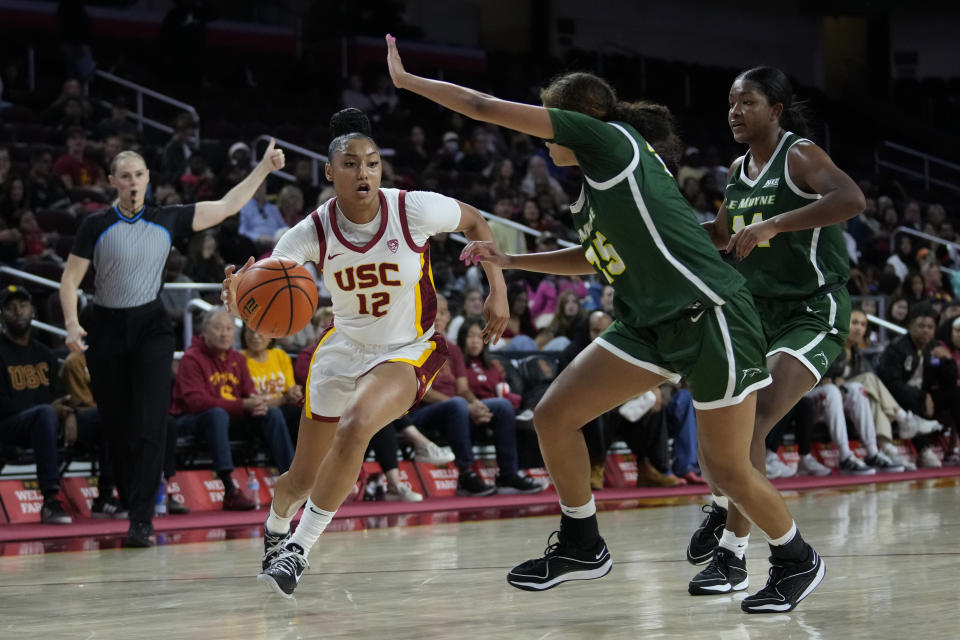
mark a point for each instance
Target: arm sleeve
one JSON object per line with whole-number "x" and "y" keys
{"x": 603, "y": 150}
{"x": 177, "y": 219}
{"x": 300, "y": 243}
{"x": 86, "y": 238}
{"x": 457, "y": 366}
{"x": 429, "y": 213}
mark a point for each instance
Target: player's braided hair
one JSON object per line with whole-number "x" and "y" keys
{"x": 777, "y": 89}
{"x": 592, "y": 95}
{"x": 345, "y": 125}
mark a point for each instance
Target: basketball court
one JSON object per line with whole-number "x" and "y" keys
{"x": 891, "y": 552}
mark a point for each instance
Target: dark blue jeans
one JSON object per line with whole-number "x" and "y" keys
{"x": 214, "y": 427}
{"x": 36, "y": 428}
{"x": 452, "y": 419}
{"x": 682, "y": 426}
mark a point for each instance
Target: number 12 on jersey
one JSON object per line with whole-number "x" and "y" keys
{"x": 738, "y": 224}
{"x": 604, "y": 257}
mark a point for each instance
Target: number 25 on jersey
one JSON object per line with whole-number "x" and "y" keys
{"x": 738, "y": 224}
{"x": 604, "y": 257}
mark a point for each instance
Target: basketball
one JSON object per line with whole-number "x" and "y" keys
{"x": 276, "y": 297}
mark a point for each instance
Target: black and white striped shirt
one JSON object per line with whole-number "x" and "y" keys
{"x": 129, "y": 254}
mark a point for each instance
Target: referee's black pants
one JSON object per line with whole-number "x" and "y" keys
{"x": 129, "y": 357}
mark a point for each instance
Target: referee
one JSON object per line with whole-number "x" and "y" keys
{"x": 130, "y": 336}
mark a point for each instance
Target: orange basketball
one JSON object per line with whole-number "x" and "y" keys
{"x": 276, "y": 297}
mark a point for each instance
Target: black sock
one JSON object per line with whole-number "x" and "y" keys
{"x": 793, "y": 551}
{"x": 50, "y": 494}
{"x": 582, "y": 532}
{"x": 226, "y": 479}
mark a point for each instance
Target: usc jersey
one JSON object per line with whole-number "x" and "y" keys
{"x": 378, "y": 274}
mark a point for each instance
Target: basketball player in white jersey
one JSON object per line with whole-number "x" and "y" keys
{"x": 381, "y": 355}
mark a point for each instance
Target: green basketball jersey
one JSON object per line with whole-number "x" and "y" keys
{"x": 637, "y": 230}
{"x": 794, "y": 264}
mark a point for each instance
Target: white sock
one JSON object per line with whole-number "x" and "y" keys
{"x": 785, "y": 538}
{"x": 584, "y": 511}
{"x": 721, "y": 501}
{"x": 312, "y": 524}
{"x": 277, "y": 523}
{"x": 901, "y": 415}
{"x": 731, "y": 542}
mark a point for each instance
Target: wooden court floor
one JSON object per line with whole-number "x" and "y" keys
{"x": 892, "y": 554}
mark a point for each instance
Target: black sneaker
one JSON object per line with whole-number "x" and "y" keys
{"x": 272, "y": 545}
{"x": 724, "y": 574}
{"x": 108, "y": 508}
{"x": 560, "y": 563}
{"x": 285, "y": 570}
{"x": 706, "y": 538}
{"x": 788, "y": 584}
{"x": 471, "y": 484}
{"x": 138, "y": 535}
{"x": 53, "y": 513}
{"x": 516, "y": 483}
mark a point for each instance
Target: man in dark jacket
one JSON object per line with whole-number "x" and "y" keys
{"x": 921, "y": 375}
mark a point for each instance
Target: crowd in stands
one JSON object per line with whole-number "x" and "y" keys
{"x": 54, "y": 170}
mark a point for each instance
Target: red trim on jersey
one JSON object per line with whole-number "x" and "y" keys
{"x": 321, "y": 238}
{"x": 402, "y": 207}
{"x": 428, "y": 293}
{"x": 319, "y": 418}
{"x": 384, "y": 212}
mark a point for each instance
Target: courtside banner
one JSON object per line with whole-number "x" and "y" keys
{"x": 23, "y": 501}
{"x": 81, "y": 492}
{"x": 408, "y": 475}
{"x": 828, "y": 456}
{"x": 201, "y": 490}
{"x": 438, "y": 482}
{"x": 620, "y": 471}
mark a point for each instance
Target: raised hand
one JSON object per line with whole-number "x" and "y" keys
{"x": 273, "y": 158}
{"x": 228, "y": 289}
{"x": 394, "y": 64}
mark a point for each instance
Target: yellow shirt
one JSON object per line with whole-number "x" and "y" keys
{"x": 273, "y": 376}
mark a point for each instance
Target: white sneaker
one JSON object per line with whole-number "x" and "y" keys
{"x": 928, "y": 459}
{"x": 777, "y": 468}
{"x": 432, "y": 454}
{"x": 810, "y": 466}
{"x": 893, "y": 453}
{"x": 402, "y": 493}
{"x": 854, "y": 466}
{"x": 914, "y": 425}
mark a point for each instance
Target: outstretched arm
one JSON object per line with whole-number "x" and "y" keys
{"x": 211, "y": 213}
{"x": 564, "y": 262}
{"x": 526, "y": 118}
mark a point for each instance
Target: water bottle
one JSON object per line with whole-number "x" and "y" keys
{"x": 253, "y": 486}
{"x": 161, "y": 506}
